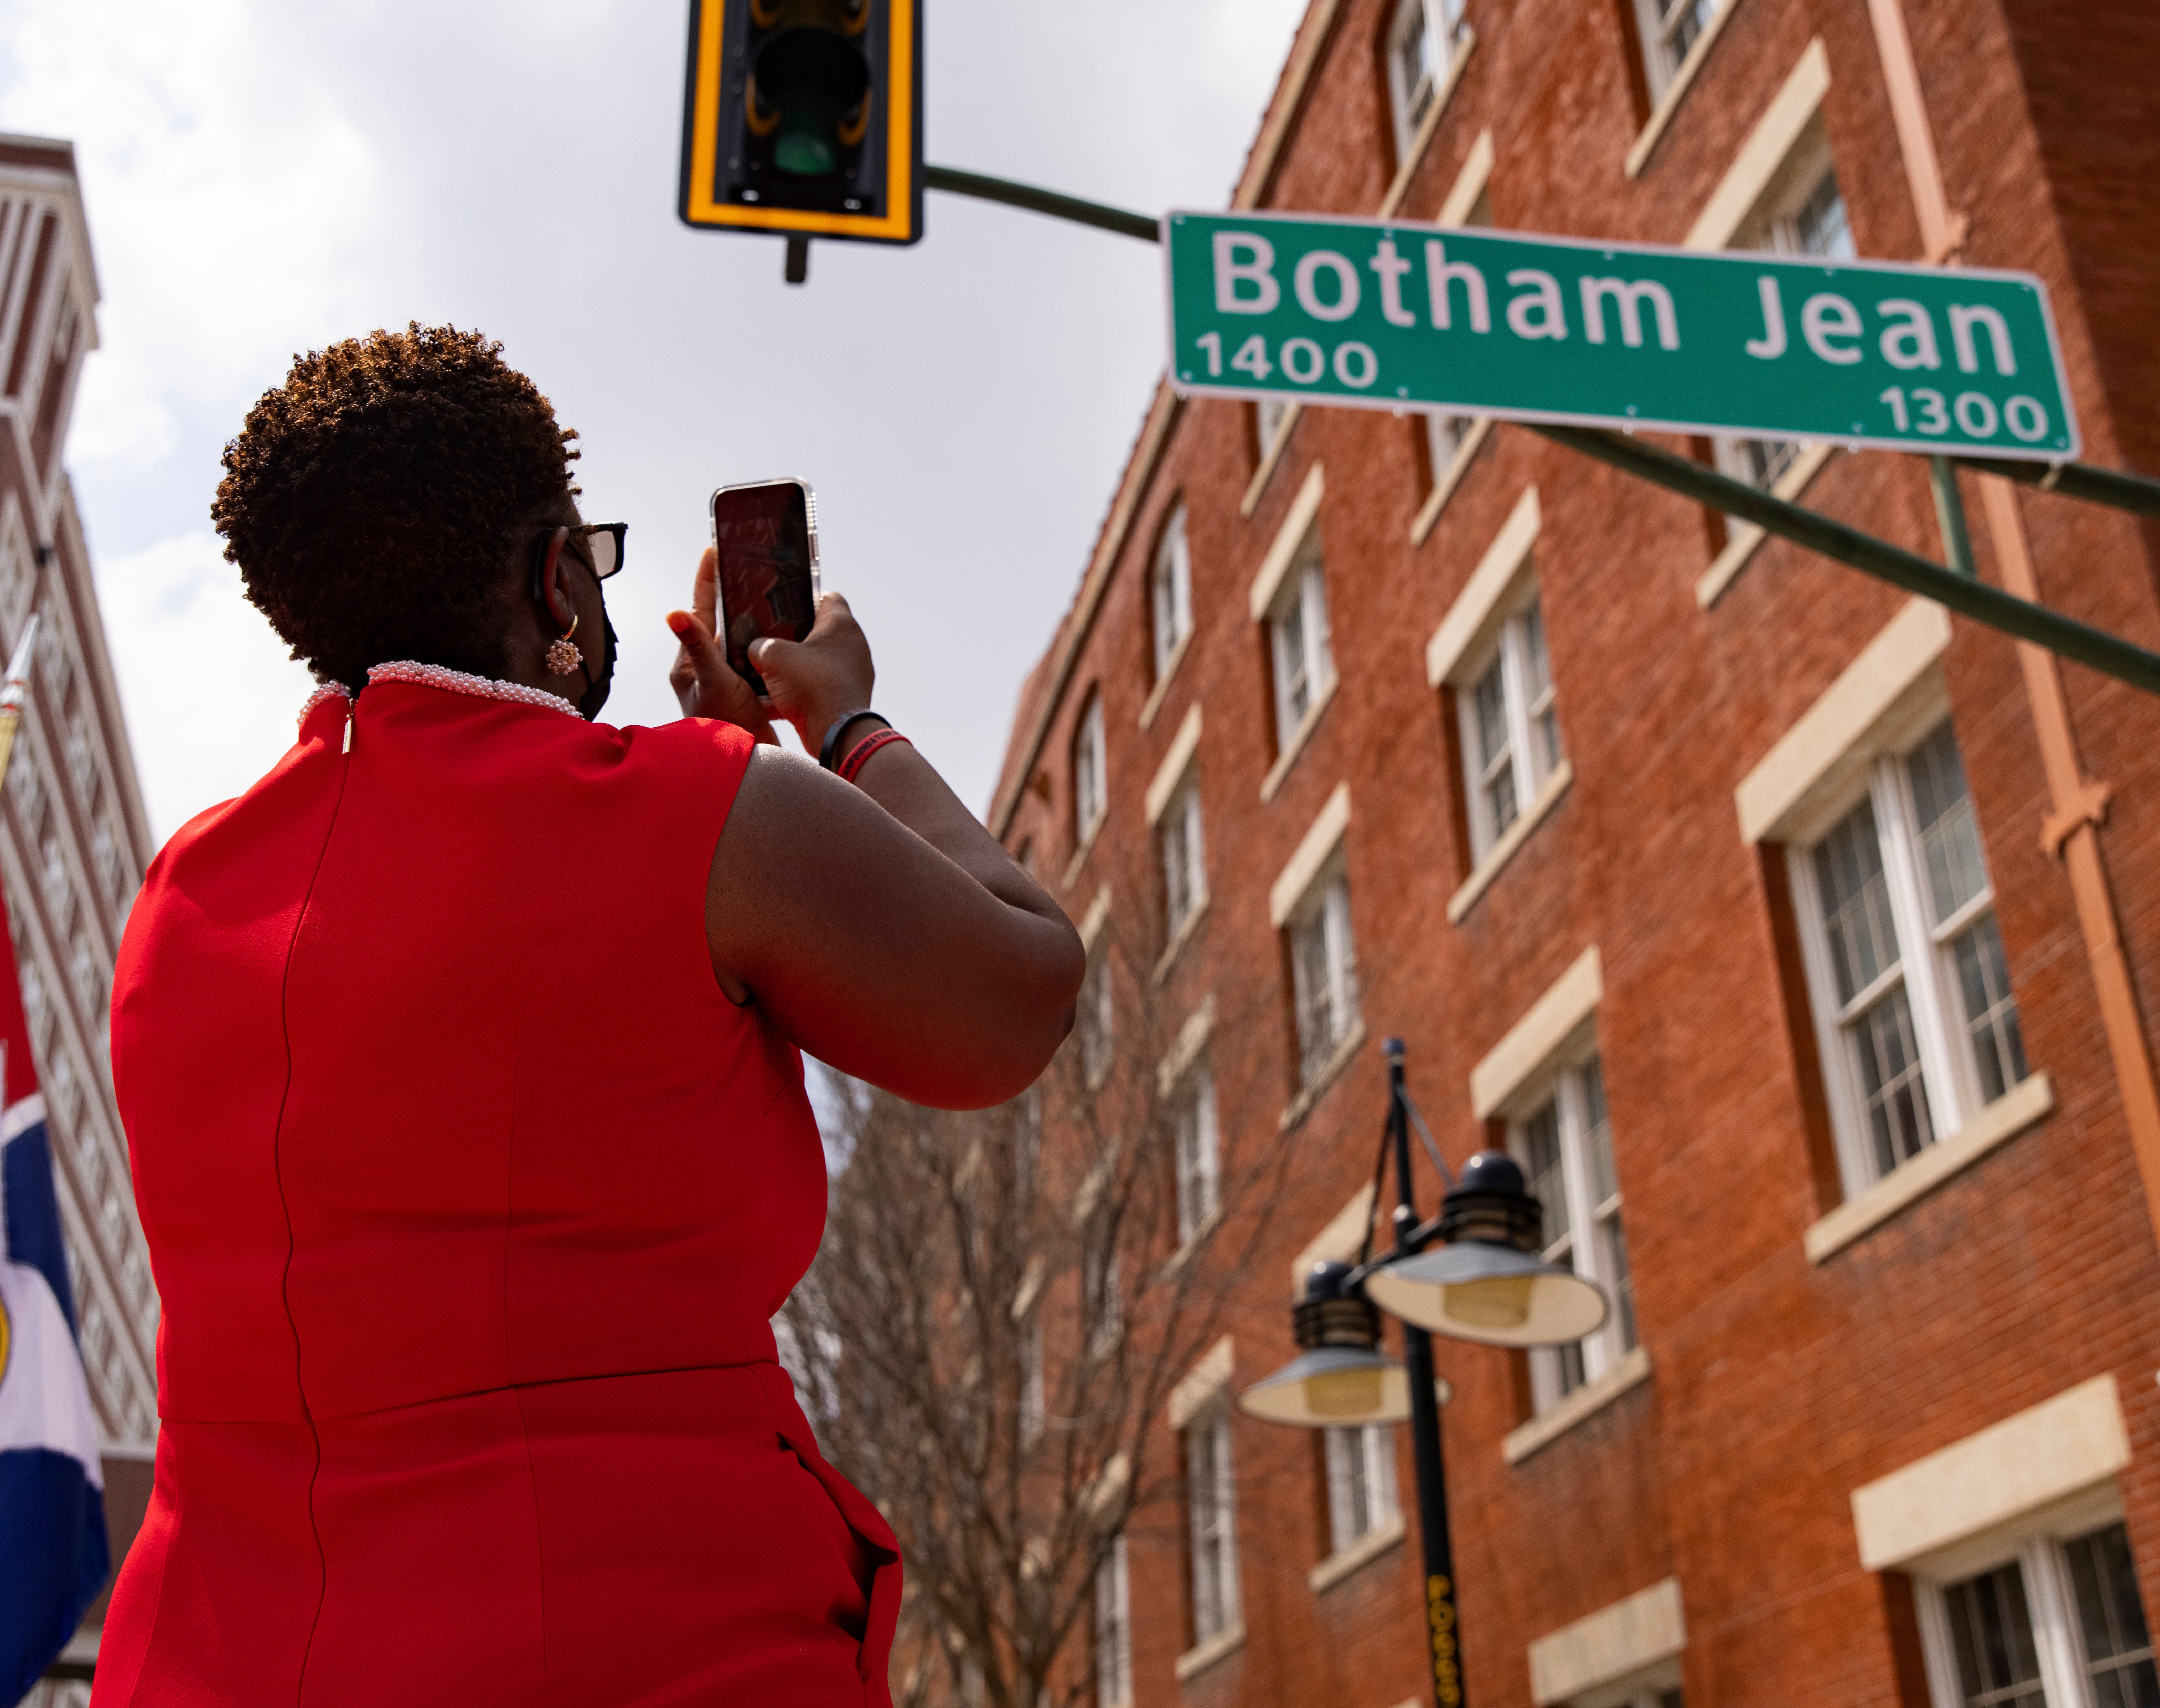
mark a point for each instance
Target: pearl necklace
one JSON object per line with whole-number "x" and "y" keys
{"x": 458, "y": 682}
{"x": 328, "y": 691}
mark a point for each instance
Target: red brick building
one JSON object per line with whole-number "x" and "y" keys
{"x": 1799, "y": 939}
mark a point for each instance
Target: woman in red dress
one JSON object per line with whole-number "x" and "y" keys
{"x": 458, "y": 1062}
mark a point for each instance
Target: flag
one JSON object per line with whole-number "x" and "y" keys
{"x": 54, "y": 1555}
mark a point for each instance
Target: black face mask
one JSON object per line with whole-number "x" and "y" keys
{"x": 594, "y": 697}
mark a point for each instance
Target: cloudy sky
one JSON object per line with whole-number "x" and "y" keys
{"x": 263, "y": 177}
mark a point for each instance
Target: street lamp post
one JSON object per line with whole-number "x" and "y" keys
{"x": 1443, "y": 1629}
{"x": 1485, "y": 1282}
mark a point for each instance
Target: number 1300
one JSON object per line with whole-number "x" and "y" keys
{"x": 1926, "y": 411}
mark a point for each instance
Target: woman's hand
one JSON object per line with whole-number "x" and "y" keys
{"x": 705, "y": 685}
{"x": 812, "y": 682}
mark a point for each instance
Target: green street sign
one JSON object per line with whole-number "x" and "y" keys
{"x": 1388, "y": 314}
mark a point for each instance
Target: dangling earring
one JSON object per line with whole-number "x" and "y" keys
{"x": 562, "y": 655}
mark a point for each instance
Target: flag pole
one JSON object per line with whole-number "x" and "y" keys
{"x": 14, "y": 691}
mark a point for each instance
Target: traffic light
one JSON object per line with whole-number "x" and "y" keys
{"x": 804, "y": 117}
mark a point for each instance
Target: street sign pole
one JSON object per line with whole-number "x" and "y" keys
{"x": 1998, "y": 319}
{"x": 2066, "y": 637}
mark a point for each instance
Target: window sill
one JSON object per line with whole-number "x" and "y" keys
{"x": 1747, "y": 536}
{"x": 1363, "y": 1551}
{"x": 1161, "y": 689}
{"x": 1516, "y": 835}
{"x": 1587, "y": 1401}
{"x": 1301, "y": 1106}
{"x": 1183, "y": 936}
{"x": 1271, "y": 784}
{"x": 1197, "y": 1660}
{"x": 1428, "y": 516}
{"x": 1190, "y": 1247}
{"x": 2010, "y": 1114}
{"x": 1684, "y": 75}
{"x": 1079, "y": 860}
{"x": 1413, "y": 157}
{"x": 1269, "y": 460}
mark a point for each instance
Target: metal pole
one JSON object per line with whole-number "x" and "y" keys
{"x": 2109, "y": 654}
{"x": 2139, "y": 494}
{"x": 1950, "y": 517}
{"x": 955, "y": 182}
{"x": 1443, "y": 1626}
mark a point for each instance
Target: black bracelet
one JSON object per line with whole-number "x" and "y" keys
{"x": 825, "y": 754}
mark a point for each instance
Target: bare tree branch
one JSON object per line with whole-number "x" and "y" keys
{"x": 1003, "y": 1303}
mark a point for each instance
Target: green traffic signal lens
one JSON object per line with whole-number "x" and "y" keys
{"x": 805, "y": 148}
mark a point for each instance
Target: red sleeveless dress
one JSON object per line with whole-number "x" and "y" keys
{"x": 470, "y": 1197}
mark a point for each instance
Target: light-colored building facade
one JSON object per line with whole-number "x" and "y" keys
{"x": 74, "y": 839}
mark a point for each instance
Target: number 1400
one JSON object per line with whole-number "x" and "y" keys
{"x": 1303, "y": 363}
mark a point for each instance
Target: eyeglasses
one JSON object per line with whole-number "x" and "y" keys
{"x": 599, "y": 544}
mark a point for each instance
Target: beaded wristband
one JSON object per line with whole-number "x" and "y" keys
{"x": 826, "y": 748}
{"x": 859, "y": 755}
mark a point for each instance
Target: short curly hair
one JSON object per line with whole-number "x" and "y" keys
{"x": 374, "y": 501}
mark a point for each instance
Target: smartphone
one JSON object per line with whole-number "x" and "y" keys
{"x": 765, "y": 533}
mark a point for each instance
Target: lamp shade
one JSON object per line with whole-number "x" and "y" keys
{"x": 1479, "y": 1291}
{"x": 1336, "y": 1387}
{"x": 1487, "y": 1282}
{"x": 1340, "y": 1379}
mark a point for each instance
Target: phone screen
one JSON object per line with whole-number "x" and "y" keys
{"x": 767, "y": 572}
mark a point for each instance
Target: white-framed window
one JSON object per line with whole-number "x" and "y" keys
{"x": 1669, "y": 28}
{"x": 1298, "y": 643}
{"x": 1113, "y": 1629}
{"x": 1211, "y": 1497}
{"x": 1423, "y": 40}
{"x": 1510, "y": 725}
{"x": 1199, "y": 1158}
{"x": 2055, "y": 1621}
{"x": 1804, "y": 213}
{"x": 1034, "y": 1379}
{"x": 106, "y": 851}
{"x": 1564, "y": 1143}
{"x": 1027, "y": 1142}
{"x": 1170, "y": 589}
{"x": 1913, "y": 1010}
{"x": 1270, "y": 416}
{"x": 1445, "y": 436}
{"x": 1656, "y": 1696}
{"x": 1323, "y": 970}
{"x": 1090, "y": 779}
{"x": 1361, "y": 1483}
{"x": 1092, "y": 1017}
{"x": 1102, "y": 1294}
{"x": 1184, "y": 856}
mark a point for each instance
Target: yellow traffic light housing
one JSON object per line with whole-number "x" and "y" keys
{"x": 804, "y": 118}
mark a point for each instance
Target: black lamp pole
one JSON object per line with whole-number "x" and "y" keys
{"x": 1443, "y": 1627}
{"x": 1472, "y": 1273}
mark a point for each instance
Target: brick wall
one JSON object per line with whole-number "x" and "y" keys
{"x": 1777, "y": 1385}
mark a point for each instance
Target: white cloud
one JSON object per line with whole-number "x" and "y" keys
{"x": 209, "y": 693}
{"x": 230, "y": 206}
{"x": 262, "y": 178}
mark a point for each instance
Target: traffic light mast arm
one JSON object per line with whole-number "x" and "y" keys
{"x": 1964, "y": 593}
{"x": 955, "y": 182}
{"x": 2117, "y": 487}
{"x": 2100, "y": 651}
